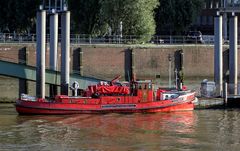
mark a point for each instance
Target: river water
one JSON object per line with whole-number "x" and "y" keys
{"x": 201, "y": 130}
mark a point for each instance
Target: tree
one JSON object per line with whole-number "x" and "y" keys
{"x": 18, "y": 15}
{"x": 85, "y": 15}
{"x": 25, "y": 14}
{"x": 176, "y": 16}
{"x": 137, "y": 17}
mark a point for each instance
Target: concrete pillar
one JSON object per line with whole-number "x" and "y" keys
{"x": 23, "y": 59}
{"x": 65, "y": 50}
{"x": 133, "y": 72}
{"x": 53, "y": 48}
{"x": 225, "y": 26}
{"x": 81, "y": 62}
{"x": 233, "y": 54}
{"x": 169, "y": 70}
{"x": 41, "y": 42}
{"x": 77, "y": 59}
{"x": 218, "y": 68}
{"x": 61, "y": 4}
{"x": 178, "y": 56}
{"x": 225, "y": 93}
{"x": 53, "y": 40}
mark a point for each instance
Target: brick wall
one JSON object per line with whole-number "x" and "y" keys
{"x": 107, "y": 62}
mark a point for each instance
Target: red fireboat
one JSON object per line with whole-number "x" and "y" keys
{"x": 108, "y": 97}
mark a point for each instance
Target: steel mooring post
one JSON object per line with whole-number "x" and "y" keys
{"x": 53, "y": 48}
{"x": 218, "y": 58}
{"x": 65, "y": 50}
{"x": 41, "y": 42}
{"x": 225, "y": 93}
{"x": 233, "y": 53}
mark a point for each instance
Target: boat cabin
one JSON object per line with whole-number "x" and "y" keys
{"x": 144, "y": 90}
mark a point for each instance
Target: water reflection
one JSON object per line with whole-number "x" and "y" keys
{"x": 109, "y": 131}
{"x": 192, "y": 130}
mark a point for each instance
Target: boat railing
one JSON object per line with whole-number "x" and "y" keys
{"x": 27, "y": 97}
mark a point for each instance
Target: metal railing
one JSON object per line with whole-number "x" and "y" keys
{"x": 116, "y": 39}
{"x": 232, "y": 89}
{"x": 17, "y": 38}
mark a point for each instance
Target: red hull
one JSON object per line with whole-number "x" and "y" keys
{"x": 36, "y": 110}
{"x": 73, "y": 106}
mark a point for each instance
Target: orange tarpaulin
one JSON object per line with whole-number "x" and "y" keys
{"x": 113, "y": 89}
{"x": 107, "y": 89}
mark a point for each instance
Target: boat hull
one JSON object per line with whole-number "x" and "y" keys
{"x": 29, "y": 107}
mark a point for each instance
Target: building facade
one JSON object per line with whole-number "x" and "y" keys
{"x": 205, "y": 21}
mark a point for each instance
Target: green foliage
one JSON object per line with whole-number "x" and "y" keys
{"x": 176, "y": 16}
{"x": 18, "y": 15}
{"x": 137, "y": 17}
{"x": 84, "y": 15}
{"x": 96, "y": 17}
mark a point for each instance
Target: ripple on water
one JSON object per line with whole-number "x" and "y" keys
{"x": 194, "y": 130}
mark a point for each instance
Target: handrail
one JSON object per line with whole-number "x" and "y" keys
{"x": 113, "y": 39}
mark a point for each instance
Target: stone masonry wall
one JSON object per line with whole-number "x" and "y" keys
{"x": 108, "y": 61}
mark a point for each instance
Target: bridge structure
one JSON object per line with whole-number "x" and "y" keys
{"x": 28, "y": 73}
